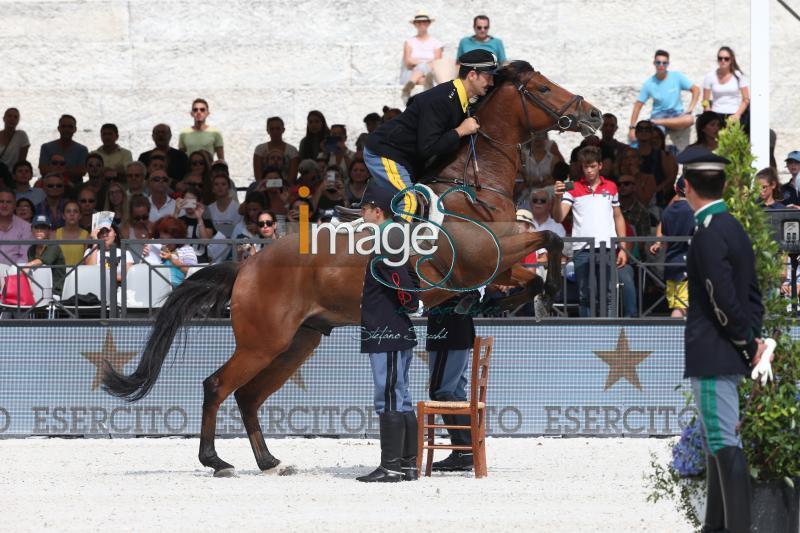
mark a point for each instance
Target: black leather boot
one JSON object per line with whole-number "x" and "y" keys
{"x": 458, "y": 460}
{"x": 735, "y": 482}
{"x": 715, "y": 509}
{"x": 409, "y": 461}
{"x": 393, "y": 429}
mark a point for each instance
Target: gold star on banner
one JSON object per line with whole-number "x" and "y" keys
{"x": 108, "y": 353}
{"x": 622, "y": 362}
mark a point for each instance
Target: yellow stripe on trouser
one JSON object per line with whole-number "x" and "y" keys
{"x": 409, "y": 203}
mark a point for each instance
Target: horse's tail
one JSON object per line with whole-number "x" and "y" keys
{"x": 206, "y": 293}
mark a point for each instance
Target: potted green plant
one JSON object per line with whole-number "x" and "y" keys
{"x": 770, "y": 427}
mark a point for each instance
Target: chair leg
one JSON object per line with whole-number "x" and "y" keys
{"x": 420, "y": 435}
{"x": 430, "y": 421}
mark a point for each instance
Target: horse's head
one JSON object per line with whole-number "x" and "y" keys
{"x": 546, "y": 105}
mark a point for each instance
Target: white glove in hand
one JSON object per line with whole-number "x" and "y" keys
{"x": 763, "y": 370}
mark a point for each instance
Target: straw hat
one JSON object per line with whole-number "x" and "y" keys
{"x": 421, "y": 16}
{"x": 523, "y": 215}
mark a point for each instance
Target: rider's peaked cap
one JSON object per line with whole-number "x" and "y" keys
{"x": 478, "y": 59}
{"x": 700, "y": 158}
{"x": 379, "y": 197}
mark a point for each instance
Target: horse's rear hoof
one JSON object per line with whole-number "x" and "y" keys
{"x": 225, "y": 472}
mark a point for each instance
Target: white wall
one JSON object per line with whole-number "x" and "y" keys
{"x": 140, "y": 62}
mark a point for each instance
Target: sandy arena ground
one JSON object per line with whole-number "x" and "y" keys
{"x": 547, "y": 485}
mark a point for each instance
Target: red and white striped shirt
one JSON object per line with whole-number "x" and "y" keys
{"x": 593, "y": 211}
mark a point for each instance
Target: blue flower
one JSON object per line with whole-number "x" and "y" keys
{"x": 688, "y": 456}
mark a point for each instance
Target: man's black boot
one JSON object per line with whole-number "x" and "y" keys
{"x": 735, "y": 483}
{"x": 715, "y": 509}
{"x": 392, "y": 427}
{"x": 458, "y": 460}
{"x": 409, "y": 461}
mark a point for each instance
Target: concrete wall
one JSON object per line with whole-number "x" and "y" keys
{"x": 139, "y": 62}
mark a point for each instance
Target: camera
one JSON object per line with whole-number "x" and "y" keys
{"x": 274, "y": 184}
{"x": 189, "y": 203}
{"x": 330, "y": 179}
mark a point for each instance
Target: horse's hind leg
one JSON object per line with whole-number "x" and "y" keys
{"x": 257, "y": 390}
{"x": 242, "y": 366}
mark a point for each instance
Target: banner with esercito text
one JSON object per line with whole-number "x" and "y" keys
{"x": 545, "y": 379}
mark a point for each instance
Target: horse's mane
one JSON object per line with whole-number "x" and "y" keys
{"x": 509, "y": 73}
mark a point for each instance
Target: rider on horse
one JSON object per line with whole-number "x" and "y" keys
{"x": 432, "y": 125}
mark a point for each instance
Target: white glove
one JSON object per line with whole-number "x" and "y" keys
{"x": 763, "y": 370}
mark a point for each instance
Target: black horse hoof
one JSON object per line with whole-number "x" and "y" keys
{"x": 268, "y": 464}
{"x": 225, "y": 472}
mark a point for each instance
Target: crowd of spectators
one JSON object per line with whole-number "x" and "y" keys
{"x": 187, "y": 192}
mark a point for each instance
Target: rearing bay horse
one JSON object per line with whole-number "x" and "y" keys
{"x": 282, "y": 301}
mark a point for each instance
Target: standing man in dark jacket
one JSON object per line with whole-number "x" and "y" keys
{"x": 432, "y": 125}
{"x": 449, "y": 339}
{"x": 388, "y": 337}
{"x": 722, "y": 333}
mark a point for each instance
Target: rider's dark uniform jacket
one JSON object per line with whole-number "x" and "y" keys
{"x": 448, "y": 330}
{"x": 385, "y": 325}
{"x": 425, "y": 129}
{"x": 725, "y": 309}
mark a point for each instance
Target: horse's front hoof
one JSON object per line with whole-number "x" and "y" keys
{"x": 225, "y": 472}
{"x": 268, "y": 464}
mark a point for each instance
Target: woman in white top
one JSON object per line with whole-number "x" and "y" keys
{"x": 224, "y": 211}
{"x": 14, "y": 143}
{"x": 110, "y": 237}
{"x": 540, "y": 160}
{"x": 726, "y": 90}
{"x": 418, "y": 54}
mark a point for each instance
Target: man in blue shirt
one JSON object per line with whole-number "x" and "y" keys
{"x": 482, "y": 40}
{"x": 665, "y": 89}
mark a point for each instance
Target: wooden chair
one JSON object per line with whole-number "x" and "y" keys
{"x": 475, "y": 408}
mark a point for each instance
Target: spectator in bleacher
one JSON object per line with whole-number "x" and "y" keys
{"x": 726, "y": 90}
{"x": 14, "y": 142}
{"x": 87, "y": 200}
{"x": 707, "y": 126}
{"x": 665, "y": 88}
{"x": 271, "y": 175}
{"x": 219, "y": 169}
{"x": 309, "y": 175}
{"x": 316, "y": 132}
{"x": 12, "y": 228}
{"x": 110, "y": 237}
{"x": 267, "y": 233}
{"x": 199, "y": 175}
{"x": 135, "y": 179}
{"x": 113, "y": 154}
{"x": 138, "y": 221}
{"x": 190, "y": 210}
{"x": 371, "y": 121}
{"x": 769, "y": 194}
{"x": 481, "y": 39}
{"x": 224, "y": 210}
{"x": 331, "y": 193}
{"x": 74, "y": 153}
{"x": 177, "y": 161}
{"x": 358, "y": 177}
{"x": 611, "y": 148}
{"x": 676, "y": 220}
{"x": 57, "y": 164}
{"x": 791, "y": 189}
{"x": 111, "y": 175}
{"x": 539, "y": 160}
{"x": 254, "y": 203}
{"x": 46, "y": 254}
{"x": 389, "y": 113}
{"x": 161, "y": 205}
{"x": 71, "y": 230}
{"x": 201, "y": 136}
{"x": 293, "y": 216}
{"x": 179, "y": 257}
{"x": 290, "y": 157}
{"x": 53, "y": 204}
{"x": 419, "y": 53}
{"x": 654, "y": 161}
{"x": 117, "y": 201}
{"x": 25, "y": 210}
{"x": 96, "y": 179}
{"x": 634, "y": 212}
{"x": 22, "y": 173}
{"x": 539, "y": 219}
{"x": 158, "y": 161}
{"x": 335, "y": 149}
{"x": 594, "y": 203}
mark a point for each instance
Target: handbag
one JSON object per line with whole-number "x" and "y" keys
{"x": 17, "y": 290}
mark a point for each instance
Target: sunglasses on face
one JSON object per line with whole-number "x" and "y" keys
{"x": 539, "y": 200}
{"x": 661, "y": 63}
{"x": 103, "y": 232}
{"x": 197, "y": 162}
{"x": 55, "y": 186}
{"x": 265, "y": 223}
{"x": 58, "y": 163}
{"x": 723, "y": 58}
{"x": 198, "y": 110}
{"x": 141, "y": 218}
